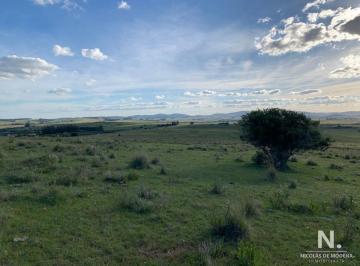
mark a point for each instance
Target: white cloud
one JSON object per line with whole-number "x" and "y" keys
{"x": 297, "y": 36}
{"x": 351, "y": 68}
{"x": 90, "y": 82}
{"x": 94, "y": 54}
{"x": 264, "y": 20}
{"x": 13, "y": 66}
{"x": 159, "y": 97}
{"x": 267, "y": 92}
{"x": 135, "y": 99}
{"x": 315, "y": 4}
{"x": 313, "y": 17}
{"x": 66, "y": 4}
{"x": 124, "y": 5}
{"x": 62, "y": 51}
{"x": 311, "y": 91}
{"x": 192, "y": 103}
{"x": 60, "y": 91}
{"x": 46, "y": 2}
{"x": 247, "y": 65}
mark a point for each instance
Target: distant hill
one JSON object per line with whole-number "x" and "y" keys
{"x": 181, "y": 117}
{"x": 235, "y": 116}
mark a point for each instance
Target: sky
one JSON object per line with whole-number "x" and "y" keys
{"x": 72, "y": 58}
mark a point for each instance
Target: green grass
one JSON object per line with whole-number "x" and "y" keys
{"x": 58, "y": 196}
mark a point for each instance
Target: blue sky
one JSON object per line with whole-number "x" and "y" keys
{"x": 64, "y": 58}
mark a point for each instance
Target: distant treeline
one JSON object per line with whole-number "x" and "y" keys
{"x": 69, "y": 129}
{"x": 64, "y": 130}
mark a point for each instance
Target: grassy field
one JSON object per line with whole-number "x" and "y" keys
{"x": 78, "y": 200}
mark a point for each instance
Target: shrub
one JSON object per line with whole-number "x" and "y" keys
{"x": 343, "y": 203}
{"x": 259, "y": 158}
{"x": 230, "y": 227}
{"x": 135, "y": 204}
{"x": 292, "y": 185}
{"x": 336, "y": 166}
{"x": 347, "y": 157}
{"x": 118, "y": 178}
{"x": 90, "y": 150}
{"x": 279, "y": 199}
{"x": 66, "y": 181}
{"x": 300, "y": 208}
{"x": 155, "y": 161}
{"x": 251, "y": 208}
{"x": 20, "y": 179}
{"x": 58, "y": 148}
{"x": 271, "y": 175}
{"x": 140, "y": 162}
{"x": 96, "y": 162}
{"x": 218, "y": 188}
{"x": 163, "y": 171}
{"x": 146, "y": 193}
{"x": 132, "y": 176}
{"x": 6, "y": 196}
{"x": 311, "y": 163}
{"x": 339, "y": 179}
{"x": 51, "y": 197}
{"x": 239, "y": 159}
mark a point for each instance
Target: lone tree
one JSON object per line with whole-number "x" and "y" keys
{"x": 280, "y": 133}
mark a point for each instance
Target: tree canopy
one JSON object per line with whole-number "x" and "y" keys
{"x": 280, "y": 133}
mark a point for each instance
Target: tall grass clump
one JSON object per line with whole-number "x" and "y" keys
{"x": 218, "y": 188}
{"x": 140, "y": 162}
{"x": 135, "y": 204}
{"x": 251, "y": 208}
{"x": 279, "y": 199}
{"x": 343, "y": 203}
{"x": 146, "y": 193}
{"x": 230, "y": 227}
{"x": 247, "y": 255}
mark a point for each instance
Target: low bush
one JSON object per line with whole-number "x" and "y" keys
{"x": 217, "y": 188}
{"x": 300, "y": 208}
{"x": 135, "y": 204}
{"x": 230, "y": 227}
{"x": 139, "y": 162}
{"x": 155, "y": 161}
{"x": 163, "y": 171}
{"x": 292, "y": 185}
{"x": 118, "y": 178}
{"x": 279, "y": 199}
{"x": 343, "y": 203}
{"x": 66, "y": 181}
{"x": 336, "y": 166}
{"x": 51, "y": 196}
{"x": 146, "y": 193}
{"x": 260, "y": 158}
{"x": 90, "y": 150}
{"x": 251, "y": 208}
{"x": 311, "y": 163}
{"x": 132, "y": 176}
{"x": 20, "y": 179}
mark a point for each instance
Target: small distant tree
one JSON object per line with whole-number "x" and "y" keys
{"x": 280, "y": 133}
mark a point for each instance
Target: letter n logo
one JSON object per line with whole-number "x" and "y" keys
{"x": 322, "y": 237}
